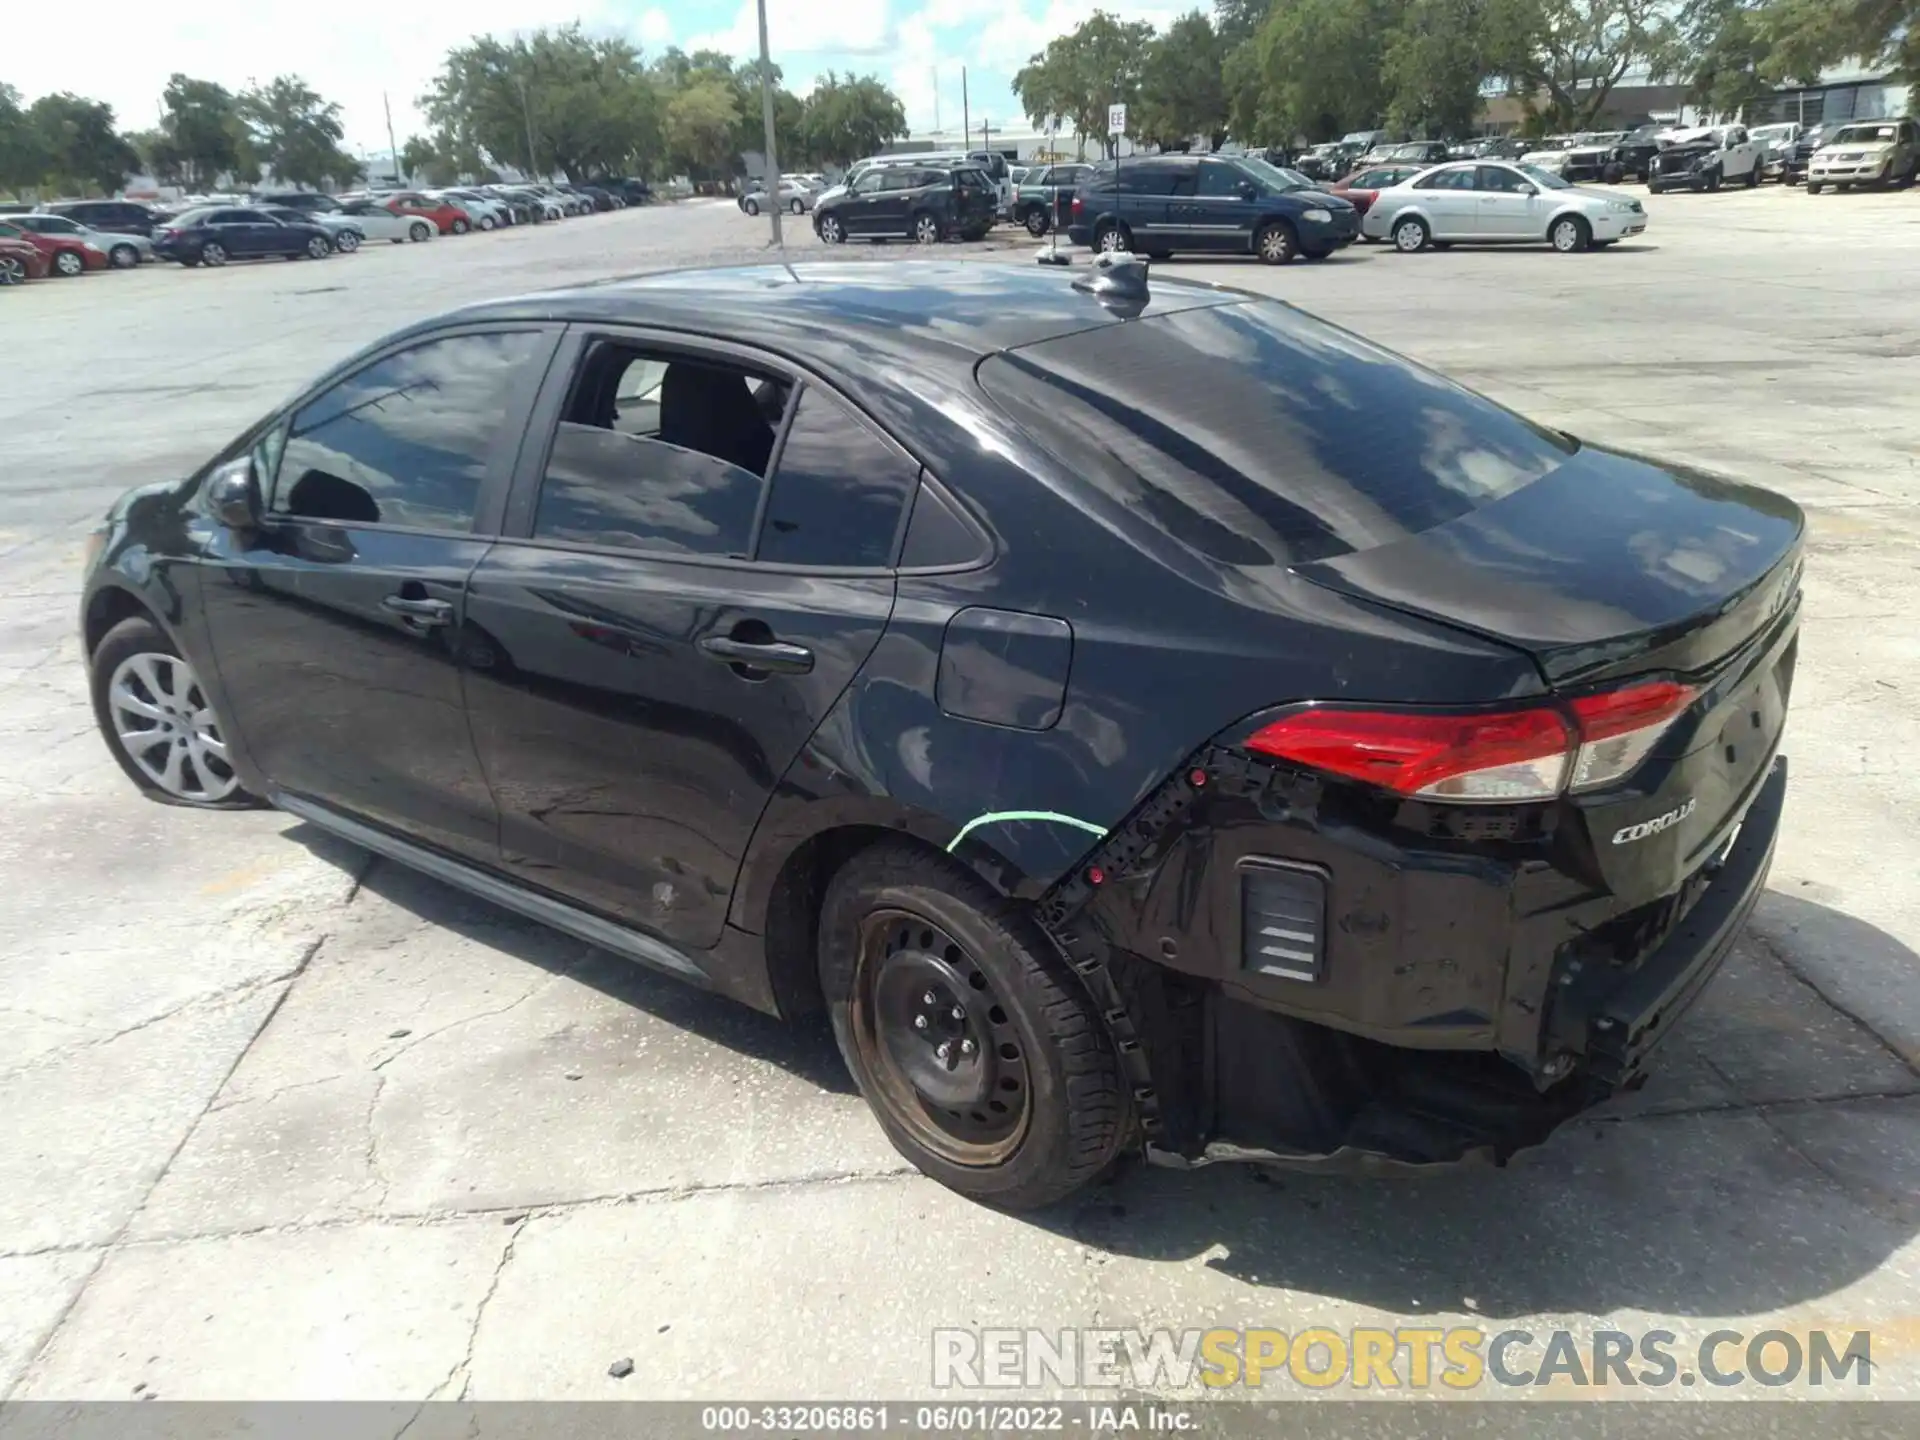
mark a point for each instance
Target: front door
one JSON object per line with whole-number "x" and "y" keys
{"x": 653, "y": 651}
{"x": 337, "y": 626}
{"x": 862, "y": 216}
{"x": 1510, "y": 207}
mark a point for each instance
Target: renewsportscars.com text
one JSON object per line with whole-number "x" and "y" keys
{"x": 1413, "y": 1358}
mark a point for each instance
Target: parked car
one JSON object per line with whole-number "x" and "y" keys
{"x": 114, "y": 217}
{"x": 1635, "y": 152}
{"x": 20, "y": 259}
{"x": 1705, "y": 160}
{"x": 376, "y": 222}
{"x": 1774, "y": 142}
{"x": 924, "y": 203}
{"x": 444, "y": 216}
{"x": 346, "y": 233}
{"x": 218, "y": 234}
{"x": 1360, "y": 188}
{"x": 794, "y": 197}
{"x": 1043, "y": 196}
{"x": 124, "y": 252}
{"x": 1866, "y": 152}
{"x": 1405, "y": 659}
{"x": 1592, "y": 159}
{"x": 487, "y": 212}
{"x": 66, "y": 255}
{"x": 1162, "y": 204}
{"x": 307, "y": 201}
{"x": 1795, "y": 159}
{"x": 1408, "y": 152}
{"x": 1482, "y": 202}
{"x": 1327, "y": 162}
{"x": 634, "y": 192}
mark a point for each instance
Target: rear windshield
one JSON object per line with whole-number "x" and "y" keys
{"x": 1255, "y": 435}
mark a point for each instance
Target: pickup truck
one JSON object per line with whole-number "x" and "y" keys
{"x": 1706, "y": 160}
{"x": 1036, "y": 199}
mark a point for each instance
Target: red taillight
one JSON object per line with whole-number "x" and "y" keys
{"x": 1513, "y": 755}
{"x": 1507, "y": 756}
{"x": 1617, "y": 729}
{"x": 1076, "y": 207}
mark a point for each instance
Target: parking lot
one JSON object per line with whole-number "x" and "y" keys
{"x": 287, "y": 1122}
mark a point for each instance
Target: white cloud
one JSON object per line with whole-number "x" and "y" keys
{"x": 801, "y": 31}
{"x": 655, "y": 30}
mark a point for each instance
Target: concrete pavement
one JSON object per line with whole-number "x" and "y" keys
{"x": 280, "y": 1122}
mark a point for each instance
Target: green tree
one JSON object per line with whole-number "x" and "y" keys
{"x": 206, "y": 134}
{"x": 1081, "y": 73}
{"x": 1237, "y": 21}
{"x": 1805, "y": 36}
{"x": 77, "y": 145}
{"x": 1182, "y": 89}
{"x": 1440, "y": 53}
{"x": 23, "y": 160}
{"x": 295, "y": 132}
{"x": 1322, "y": 63}
{"x": 850, "y": 116}
{"x": 1566, "y": 56}
{"x": 703, "y": 122}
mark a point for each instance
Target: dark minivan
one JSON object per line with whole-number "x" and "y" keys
{"x": 1235, "y": 205}
{"x": 115, "y": 217}
{"x": 927, "y": 203}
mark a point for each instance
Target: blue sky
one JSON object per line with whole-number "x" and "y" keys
{"x": 356, "y": 51}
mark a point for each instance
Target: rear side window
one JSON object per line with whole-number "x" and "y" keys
{"x": 1255, "y": 435}
{"x": 1150, "y": 178}
{"x": 838, "y": 492}
{"x": 405, "y": 441}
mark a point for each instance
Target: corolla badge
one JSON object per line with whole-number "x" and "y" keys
{"x": 1627, "y": 834}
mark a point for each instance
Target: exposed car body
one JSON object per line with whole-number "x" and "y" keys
{"x": 923, "y": 203}
{"x": 66, "y": 255}
{"x": 1866, "y": 152}
{"x": 1165, "y": 204}
{"x": 20, "y": 259}
{"x": 1074, "y": 687}
{"x": 1360, "y": 188}
{"x": 1043, "y": 196}
{"x": 1705, "y": 160}
{"x": 124, "y": 252}
{"x": 218, "y": 234}
{"x": 1497, "y": 202}
{"x": 115, "y": 217}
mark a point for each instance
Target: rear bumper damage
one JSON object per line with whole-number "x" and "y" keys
{"x": 1226, "y": 1064}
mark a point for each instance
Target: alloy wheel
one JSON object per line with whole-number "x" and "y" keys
{"x": 317, "y": 248}
{"x": 831, "y": 231}
{"x": 1036, "y": 223}
{"x": 1112, "y": 241}
{"x": 950, "y": 1063}
{"x": 1566, "y": 237}
{"x": 348, "y": 241}
{"x": 163, "y": 722}
{"x": 926, "y": 230}
{"x": 124, "y": 257}
{"x": 1276, "y": 244}
{"x": 14, "y": 270}
{"x": 213, "y": 253}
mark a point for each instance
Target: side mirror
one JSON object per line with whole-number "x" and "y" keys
{"x": 233, "y": 495}
{"x": 1249, "y": 191}
{"x": 1526, "y": 189}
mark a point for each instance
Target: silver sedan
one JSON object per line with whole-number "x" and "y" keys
{"x": 794, "y": 197}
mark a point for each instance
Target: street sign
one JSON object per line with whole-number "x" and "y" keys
{"x": 1116, "y": 119}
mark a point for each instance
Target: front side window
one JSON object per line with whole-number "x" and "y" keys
{"x": 1446, "y": 180}
{"x": 660, "y": 453}
{"x": 868, "y": 183}
{"x": 1501, "y": 180}
{"x": 406, "y": 441}
{"x": 839, "y": 491}
{"x": 1220, "y": 181}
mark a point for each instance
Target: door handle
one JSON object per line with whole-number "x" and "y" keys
{"x": 774, "y": 655}
{"x": 419, "y": 612}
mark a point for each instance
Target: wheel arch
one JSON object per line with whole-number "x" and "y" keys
{"x": 110, "y": 604}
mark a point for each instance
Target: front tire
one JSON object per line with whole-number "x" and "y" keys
{"x": 829, "y": 229}
{"x": 750, "y": 205}
{"x": 1411, "y": 235}
{"x": 1753, "y": 176}
{"x": 1570, "y": 234}
{"x": 158, "y": 723}
{"x": 1276, "y": 244}
{"x": 346, "y": 242}
{"x": 1112, "y": 238}
{"x": 796, "y": 207}
{"x": 1004, "y": 1085}
{"x": 926, "y": 229}
{"x": 124, "y": 257}
{"x": 213, "y": 253}
{"x": 318, "y": 248}
{"x": 419, "y": 230}
{"x": 1036, "y": 222}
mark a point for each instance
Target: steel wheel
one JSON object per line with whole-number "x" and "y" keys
{"x": 68, "y": 263}
{"x": 347, "y": 241}
{"x": 926, "y": 230}
{"x": 213, "y": 253}
{"x": 1410, "y": 235}
{"x": 165, "y": 726}
{"x": 951, "y": 1067}
{"x": 1569, "y": 234}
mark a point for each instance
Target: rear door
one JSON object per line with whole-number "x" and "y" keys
{"x": 1222, "y": 216}
{"x": 336, "y": 626}
{"x": 664, "y": 630}
{"x": 1510, "y": 207}
{"x": 1451, "y": 203}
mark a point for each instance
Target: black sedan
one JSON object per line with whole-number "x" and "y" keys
{"x": 214, "y": 235}
{"x": 1120, "y": 741}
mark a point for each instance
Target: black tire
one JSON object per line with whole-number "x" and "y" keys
{"x": 459, "y": 227}
{"x": 14, "y": 271}
{"x": 1112, "y": 235}
{"x": 124, "y": 257}
{"x": 830, "y": 229}
{"x": 796, "y": 206}
{"x": 1276, "y": 243}
{"x": 897, "y": 917}
{"x": 347, "y": 241}
{"x": 135, "y": 636}
{"x": 213, "y": 254}
{"x": 1570, "y": 235}
{"x": 1159, "y": 254}
{"x": 1813, "y": 187}
{"x": 1036, "y": 221}
{"x": 1410, "y": 235}
{"x": 1316, "y": 254}
{"x": 750, "y": 205}
{"x": 318, "y": 248}
{"x": 419, "y": 230}
{"x": 1753, "y": 176}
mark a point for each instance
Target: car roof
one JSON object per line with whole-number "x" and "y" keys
{"x": 860, "y": 316}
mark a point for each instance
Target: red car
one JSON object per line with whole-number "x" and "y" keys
{"x": 20, "y": 260}
{"x": 1361, "y": 186}
{"x": 64, "y": 254}
{"x": 447, "y": 219}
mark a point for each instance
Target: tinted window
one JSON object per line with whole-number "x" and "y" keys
{"x": 839, "y": 491}
{"x": 937, "y": 535}
{"x": 405, "y": 441}
{"x": 1500, "y": 178}
{"x": 1217, "y": 179}
{"x": 660, "y": 453}
{"x": 1252, "y": 434}
{"x": 223, "y": 217}
{"x": 1149, "y": 178}
{"x": 1461, "y": 179}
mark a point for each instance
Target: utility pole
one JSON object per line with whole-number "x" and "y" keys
{"x": 393, "y": 146}
{"x": 526, "y": 114}
{"x": 766, "y": 115}
{"x": 966, "y": 115}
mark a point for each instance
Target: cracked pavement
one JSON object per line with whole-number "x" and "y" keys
{"x": 283, "y": 1122}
